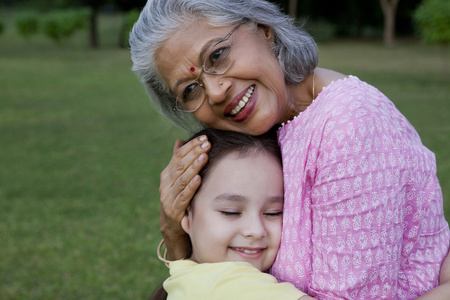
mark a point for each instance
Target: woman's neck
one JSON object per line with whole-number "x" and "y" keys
{"x": 301, "y": 95}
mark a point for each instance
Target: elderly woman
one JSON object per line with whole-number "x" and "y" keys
{"x": 363, "y": 214}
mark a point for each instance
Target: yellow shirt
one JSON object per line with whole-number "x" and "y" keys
{"x": 225, "y": 280}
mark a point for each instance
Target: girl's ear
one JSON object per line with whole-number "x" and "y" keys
{"x": 185, "y": 223}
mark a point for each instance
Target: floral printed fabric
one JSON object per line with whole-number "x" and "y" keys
{"x": 363, "y": 216}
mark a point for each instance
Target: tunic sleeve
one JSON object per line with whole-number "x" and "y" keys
{"x": 377, "y": 228}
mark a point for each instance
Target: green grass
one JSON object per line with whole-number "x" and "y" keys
{"x": 82, "y": 149}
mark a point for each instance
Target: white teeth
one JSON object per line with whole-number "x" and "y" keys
{"x": 243, "y": 101}
{"x": 250, "y": 251}
{"x": 247, "y": 251}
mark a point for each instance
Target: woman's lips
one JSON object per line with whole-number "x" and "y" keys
{"x": 243, "y": 101}
{"x": 242, "y": 105}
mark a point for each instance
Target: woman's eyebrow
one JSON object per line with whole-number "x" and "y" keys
{"x": 205, "y": 48}
{"x": 179, "y": 81}
{"x": 203, "y": 51}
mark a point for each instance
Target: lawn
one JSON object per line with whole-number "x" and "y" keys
{"x": 82, "y": 149}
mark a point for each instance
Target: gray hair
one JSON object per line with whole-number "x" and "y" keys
{"x": 296, "y": 49}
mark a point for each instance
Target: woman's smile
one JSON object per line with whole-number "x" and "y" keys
{"x": 242, "y": 105}
{"x": 242, "y": 101}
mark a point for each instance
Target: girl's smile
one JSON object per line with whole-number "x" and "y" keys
{"x": 236, "y": 215}
{"x": 248, "y": 253}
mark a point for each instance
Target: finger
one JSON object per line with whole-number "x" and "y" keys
{"x": 189, "y": 155}
{"x": 182, "y": 149}
{"x": 180, "y": 180}
{"x": 174, "y": 212}
{"x": 184, "y": 198}
{"x": 177, "y": 145}
{"x": 185, "y": 186}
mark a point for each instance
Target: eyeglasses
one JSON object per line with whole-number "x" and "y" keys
{"x": 217, "y": 61}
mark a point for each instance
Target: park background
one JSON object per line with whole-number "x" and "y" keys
{"x": 82, "y": 147}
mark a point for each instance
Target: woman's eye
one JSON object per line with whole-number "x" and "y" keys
{"x": 215, "y": 55}
{"x": 189, "y": 93}
{"x": 218, "y": 57}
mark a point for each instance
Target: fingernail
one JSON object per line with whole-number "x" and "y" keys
{"x": 204, "y": 145}
{"x": 201, "y": 157}
{"x": 202, "y": 138}
{"x": 196, "y": 178}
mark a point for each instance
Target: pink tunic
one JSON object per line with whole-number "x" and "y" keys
{"x": 363, "y": 214}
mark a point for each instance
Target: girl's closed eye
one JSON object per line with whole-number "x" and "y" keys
{"x": 230, "y": 213}
{"x": 274, "y": 213}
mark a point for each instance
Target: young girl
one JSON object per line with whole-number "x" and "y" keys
{"x": 234, "y": 223}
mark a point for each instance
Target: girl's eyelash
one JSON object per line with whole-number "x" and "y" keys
{"x": 273, "y": 214}
{"x": 230, "y": 213}
{"x": 236, "y": 213}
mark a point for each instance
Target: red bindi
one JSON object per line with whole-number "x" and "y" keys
{"x": 192, "y": 69}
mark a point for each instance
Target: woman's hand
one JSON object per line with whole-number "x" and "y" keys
{"x": 178, "y": 183}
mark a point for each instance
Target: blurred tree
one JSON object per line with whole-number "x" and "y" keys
{"x": 355, "y": 18}
{"x": 433, "y": 21}
{"x": 127, "y": 5}
{"x": 389, "y": 8}
{"x": 27, "y": 24}
{"x": 293, "y": 8}
{"x": 60, "y": 25}
{"x": 131, "y": 9}
{"x": 130, "y": 18}
{"x": 95, "y": 6}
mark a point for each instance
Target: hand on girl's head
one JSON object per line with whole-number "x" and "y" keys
{"x": 178, "y": 183}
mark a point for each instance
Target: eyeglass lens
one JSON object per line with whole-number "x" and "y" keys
{"x": 217, "y": 62}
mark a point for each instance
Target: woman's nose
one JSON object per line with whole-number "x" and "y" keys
{"x": 216, "y": 88}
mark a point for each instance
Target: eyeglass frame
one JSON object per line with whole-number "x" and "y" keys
{"x": 196, "y": 80}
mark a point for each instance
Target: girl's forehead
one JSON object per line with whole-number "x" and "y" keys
{"x": 253, "y": 178}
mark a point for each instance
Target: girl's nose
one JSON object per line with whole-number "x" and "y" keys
{"x": 254, "y": 228}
